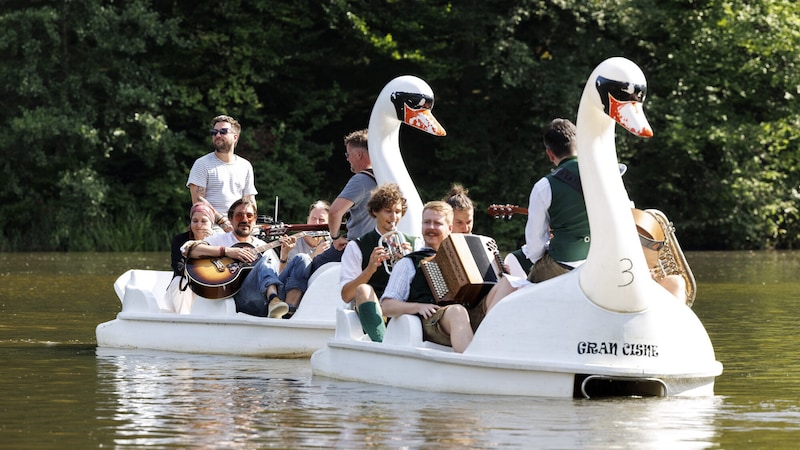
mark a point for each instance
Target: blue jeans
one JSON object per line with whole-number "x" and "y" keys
{"x": 251, "y": 298}
{"x": 295, "y": 275}
{"x": 329, "y": 255}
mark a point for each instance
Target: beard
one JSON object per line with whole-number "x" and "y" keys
{"x": 243, "y": 233}
{"x": 222, "y": 146}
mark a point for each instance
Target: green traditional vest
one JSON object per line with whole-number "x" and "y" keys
{"x": 366, "y": 244}
{"x": 420, "y": 292}
{"x": 568, "y": 219}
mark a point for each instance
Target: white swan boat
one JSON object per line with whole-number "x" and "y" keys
{"x": 214, "y": 326}
{"x": 605, "y": 328}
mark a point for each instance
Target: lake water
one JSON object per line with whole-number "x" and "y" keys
{"x": 59, "y": 391}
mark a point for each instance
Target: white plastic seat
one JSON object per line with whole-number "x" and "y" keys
{"x": 207, "y": 307}
{"x": 405, "y": 330}
{"x": 347, "y": 324}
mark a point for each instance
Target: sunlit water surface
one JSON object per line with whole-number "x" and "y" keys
{"x": 59, "y": 391}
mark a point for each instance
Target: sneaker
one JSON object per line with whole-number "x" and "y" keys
{"x": 292, "y": 310}
{"x": 277, "y": 308}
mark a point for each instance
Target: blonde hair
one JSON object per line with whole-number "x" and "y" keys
{"x": 357, "y": 139}
{"x": 442, "y": 208}
{"x": 320, "y": 204}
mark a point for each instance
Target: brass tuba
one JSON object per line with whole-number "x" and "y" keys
{"x": 393, "y": 243}
{"x": 671, "y": 260}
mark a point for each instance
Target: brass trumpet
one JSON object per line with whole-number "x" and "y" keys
{"x": 393, "y": 243}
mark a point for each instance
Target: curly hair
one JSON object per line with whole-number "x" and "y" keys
{"x": 386, "y": 196}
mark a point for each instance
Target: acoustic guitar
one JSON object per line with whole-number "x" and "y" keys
{"x": 221, "y": 277}
{"x": 651, "y": 233}
{"x": 505, "y": 211}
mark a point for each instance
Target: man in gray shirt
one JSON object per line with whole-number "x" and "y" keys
{"x": 352, "y": 199}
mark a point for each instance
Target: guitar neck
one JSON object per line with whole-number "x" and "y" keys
{"x": 268, "y": 246}
{"x": 281, "y": 229}
{"x": 276, "y": 243}
{"x": 505, "y": 211}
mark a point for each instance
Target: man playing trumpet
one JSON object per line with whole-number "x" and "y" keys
{"x": 366, "y": 261}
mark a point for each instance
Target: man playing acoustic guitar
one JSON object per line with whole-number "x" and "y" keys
{"x": 256, "y": 275}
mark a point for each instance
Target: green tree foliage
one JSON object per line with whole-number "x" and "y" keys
{"x": 84, "y": 134}
{"x": 107, "y": 104}
{"x": 725, "y": 82}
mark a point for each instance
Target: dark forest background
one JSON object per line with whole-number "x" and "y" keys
{"x": 106, "y": 104}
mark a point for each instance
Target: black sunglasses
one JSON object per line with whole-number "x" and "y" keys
{"x": 222, "y": 131}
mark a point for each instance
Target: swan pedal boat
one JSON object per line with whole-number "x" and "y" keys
{"x": 604, "y": 329}
{"x": 214, "y": 326}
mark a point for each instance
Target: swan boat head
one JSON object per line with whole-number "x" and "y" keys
{"x": 615, "y": 275}
{"x": 406, "y": 99}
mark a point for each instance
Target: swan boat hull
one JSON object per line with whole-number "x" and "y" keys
{"x": 214, "y": 326}
{"x": 567, "y": 347}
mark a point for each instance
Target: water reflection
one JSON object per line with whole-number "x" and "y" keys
{"x": 58, "y": 391}
{"x": 219, "y": 401}
{"x": 241, "y": 402}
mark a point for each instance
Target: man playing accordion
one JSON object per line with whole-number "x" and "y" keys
{"x": 408, "y": 291}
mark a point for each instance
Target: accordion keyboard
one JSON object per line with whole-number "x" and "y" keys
{"x": 437, "y": 283}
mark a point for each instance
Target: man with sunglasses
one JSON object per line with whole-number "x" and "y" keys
{"x": 222, "y": 177}
{"x": 258, "y": 293}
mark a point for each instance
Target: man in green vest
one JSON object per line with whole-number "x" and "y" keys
{"x": 363, "y": 275}
{"x": 557, "y": 232}
{"x": 408, "y": 291}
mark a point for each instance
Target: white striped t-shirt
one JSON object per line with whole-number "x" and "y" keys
{"x": 224, "y": 182}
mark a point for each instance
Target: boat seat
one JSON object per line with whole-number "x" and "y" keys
{"x": 143, "y": 290}
{"x": 207, "y": 307}
{"x": 139, "y": 300}
{"x": 347, "y": 325}
{"x": 322, "y": 298}
{"x": 322, "y": 269}
{"x": 405, "y": 330}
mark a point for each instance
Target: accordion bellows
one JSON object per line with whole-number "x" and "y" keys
{"x": 464, "y": 269}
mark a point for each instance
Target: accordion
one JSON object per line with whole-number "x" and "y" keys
{"x": 464, "y": 269}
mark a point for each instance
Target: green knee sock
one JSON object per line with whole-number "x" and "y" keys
{"x": 372, "y": 321}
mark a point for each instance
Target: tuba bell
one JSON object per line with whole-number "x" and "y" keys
{"x": 657, "y": 233}
{"x": 393, "y": 243}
